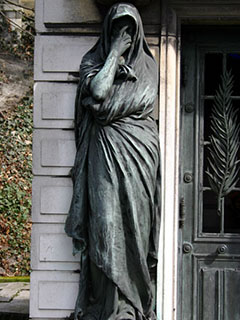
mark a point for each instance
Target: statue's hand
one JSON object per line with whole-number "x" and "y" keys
{"x": 91, "y": 103}
{"x": 121, "y": 40}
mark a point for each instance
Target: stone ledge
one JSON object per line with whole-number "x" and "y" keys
{"x": 14, "y": 299}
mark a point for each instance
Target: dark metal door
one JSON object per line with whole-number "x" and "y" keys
{"x": 209, "y": 226}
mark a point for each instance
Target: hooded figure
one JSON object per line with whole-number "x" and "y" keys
{"x": 114, "y": 217}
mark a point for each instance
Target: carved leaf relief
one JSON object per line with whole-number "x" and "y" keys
{"x": 223, "y": 165}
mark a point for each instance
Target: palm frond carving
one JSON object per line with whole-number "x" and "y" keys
{"x": 223, "y": 165}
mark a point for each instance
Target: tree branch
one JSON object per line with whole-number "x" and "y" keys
{"x": 18, "y": 5}
{"x": 26, "y": 16}
{"x": 16, "y": 25}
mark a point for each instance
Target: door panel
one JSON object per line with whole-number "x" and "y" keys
{"x": 209, "y": 233}
{"x": 219, "y": 293}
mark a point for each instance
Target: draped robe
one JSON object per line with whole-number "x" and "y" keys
{"x": 114, "y": 216}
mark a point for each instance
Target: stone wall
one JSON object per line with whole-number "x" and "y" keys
{"x": 66, "y": 30}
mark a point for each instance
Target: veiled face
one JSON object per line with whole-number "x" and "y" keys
{"x": 120, "y": 23}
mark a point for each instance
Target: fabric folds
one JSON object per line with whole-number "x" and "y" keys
{"x": 114, "y": 217}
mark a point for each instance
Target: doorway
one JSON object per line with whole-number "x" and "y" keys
{"x": 209, "y": 224}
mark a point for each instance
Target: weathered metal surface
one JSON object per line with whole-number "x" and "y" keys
{"x": 219, "y": 294}
{"x": 210, "y": 257}
{"x": 223, "y": 163}
{"x": 117, "y": 156}
{"x": 182, "y": 213}
{"x": 231, "y": 296}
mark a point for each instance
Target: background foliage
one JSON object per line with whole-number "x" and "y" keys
{"x": 18, "y": 41}
{"x": 15, "y": 188}
{"x": 16, "y": 158}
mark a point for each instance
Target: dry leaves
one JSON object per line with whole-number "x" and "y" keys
{"x": 15, "y": 188}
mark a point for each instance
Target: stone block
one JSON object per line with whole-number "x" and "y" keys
{"x": 18, "y": 305}
{"x": 53, "y": 293}
{"x": 23, "y": 295}
{"x": 51, "y": 248}
{"x": 53, "y": 152}
{"x": 83, "y": 16}
{"x": 57, "y": 57}
{"x": 51, "y": 198}
{"x": 9, "y": 291}
{"x": 52, "y": 14}
{"x": 54, "y": 104}
{"x": 206, "y": 10}
{"x": 57, "y": 12}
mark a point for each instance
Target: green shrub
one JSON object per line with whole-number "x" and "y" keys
{"x": 15, "y": 188}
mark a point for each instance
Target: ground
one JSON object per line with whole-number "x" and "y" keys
{"x": 15, "y": 80}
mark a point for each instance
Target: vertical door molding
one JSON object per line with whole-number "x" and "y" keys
{"x": 169, "y": 138}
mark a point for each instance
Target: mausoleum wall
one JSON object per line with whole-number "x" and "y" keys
{"x": 66, "y": 30}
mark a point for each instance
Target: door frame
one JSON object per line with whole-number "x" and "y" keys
{"x": 174, "y": 13}
{"x": 169, "y": 113}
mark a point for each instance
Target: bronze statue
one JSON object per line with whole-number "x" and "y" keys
{"x": 114, "y": 216}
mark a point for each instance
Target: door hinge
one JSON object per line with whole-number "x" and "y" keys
{"x": 182, "y": 214}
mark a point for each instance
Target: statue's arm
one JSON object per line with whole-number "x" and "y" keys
{"x": 103, "y": 81}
